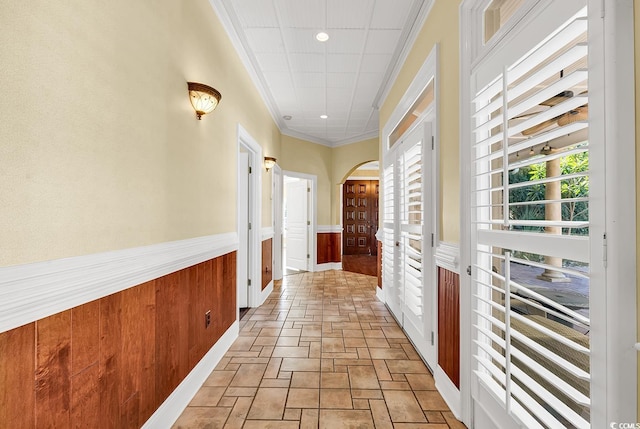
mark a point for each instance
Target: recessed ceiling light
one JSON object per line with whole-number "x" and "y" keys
{"x": 322, "y": 36}
{"x": 287, "y": 117}
{"x": 323, "y": 116}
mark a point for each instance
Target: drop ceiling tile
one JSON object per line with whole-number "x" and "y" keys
{"x": 346, "y": 41}
{"x": 263, "y": 40}
{"x": 391, "y": 14}
{"x": 309, "y": 80}
{"x": 273, "y": 62}
{"x": 369, "y": 81}
{"x": 375, "y": 63}
{"x": 302, "y": 40}
{"x": 382, "y": 41}
{"x": 340, "y": 80}
{"x": 251, "y": 13}
{"x": 348, "y": 14}
{"x": 305, "y": 63}
{"x": 301, "y": 13}
{"x": 343, "y": 63}
{"x": 278, "y": 79}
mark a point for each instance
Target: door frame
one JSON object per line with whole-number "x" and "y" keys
{"x": 254, "y": 252}
{"x": 341, "y": 186}
{"x": 276, "y": 211}
{"x": 612, "y": 109}
{"x": 312, "y": 210}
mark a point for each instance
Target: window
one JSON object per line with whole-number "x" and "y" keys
{"x": 497, "y": 13}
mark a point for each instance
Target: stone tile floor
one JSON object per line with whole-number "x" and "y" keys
{"x": 321, "y": 352}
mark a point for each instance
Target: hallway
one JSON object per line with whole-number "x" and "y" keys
{"x": 321, "y": 352}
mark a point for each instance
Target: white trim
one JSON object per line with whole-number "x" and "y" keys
{"x": 357, "y": 139}
{"x": 264, "y": 293}
{"x": 33, "y": 291}
{"x": 329, "y": 266}
{"x": 448, "y": 256}
{"x": 313, "y": 210}
{"x": 277, "y": 213}
{"x": 380, "y": 294}
{"x": 267, "y": 232}
{"x": 167, "y": 414}
{"x": 392, "y": 73}
{"x": 448, "y": 391}
{"x": 363, "y": 178}
{"x": 329, "y": 228}
{"x": 255, "y": 212}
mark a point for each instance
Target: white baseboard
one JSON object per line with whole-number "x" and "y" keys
{"x": 329, "y": 266}
{"x": 166, "y": 415}
{"x": 380, "y": 295}
{"x": 448, "y": 256}
{"x": 264, "y": 294}
{"x": 328, "y": 228}
{"x": 450, "y": 393}
{"x": 267, "y": 233}
{"x": 34, "y": 291}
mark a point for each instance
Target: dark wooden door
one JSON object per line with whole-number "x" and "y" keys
{"x": 360, "y": 217}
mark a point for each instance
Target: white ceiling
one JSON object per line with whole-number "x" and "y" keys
{"x": 344, "y": 78}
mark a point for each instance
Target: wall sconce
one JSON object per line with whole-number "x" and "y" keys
{"x": 269, "y": 162}
{"x": 204, "y": 99}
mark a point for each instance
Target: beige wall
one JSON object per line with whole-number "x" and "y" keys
{"x": 345, "y": 160}
{"x": 100, "y": 148}
{"x": 440, "y": 28}
{"x": 302, "y": 156}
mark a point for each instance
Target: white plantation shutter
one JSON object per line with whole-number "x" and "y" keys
{"x": 411, "y": 227}
{"x": 531, "y": 347}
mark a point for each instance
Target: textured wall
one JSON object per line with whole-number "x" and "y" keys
{"x": 100, "y": 147}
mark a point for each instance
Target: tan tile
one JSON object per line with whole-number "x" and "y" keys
{"x": 286, "y": 341}
{"x": 406, "y": 366}
{"x": 332, "y": 345}
{"x": 363, "y": 377}
{"x": 273, "y": 368}
{"x": 420, "y": 426}
{"x": 300, "y": 364}
{"x": 285, "y": 375}
{"x": 290, "y": 332}
{"x": 227, "y": 401}
{"x": 327, "y": 365}
{"x": 345, "y": 419}
{"x": 399, "y": 377}
{"x": 268, "y": 404}
{"x": 250, "y": 360}
{"x": 249, "y": 375}
{"x": 435, "y": 417}
{"x": 309, "y": 419}
{"x": 274, "y": 382}
{"x": 366, "y": 394}
{"x": 394, "y": 385}
{"x": 377, "y": 342}
{"x": 315, "y": 349}
{"x": 373, "y": 333}
{"x": 207, "y": 396}
{"x": 334, "y": 380}
{"x": 352, "y": 333}
{"x": 403, "y": 406}
{"x": 393, "y": 332}
{"x": 421, "y": 381}
{"x": 242, "y": 343}
{"x": 240, "y": 391}
{"x": 270, "y": 332}
{"x": 452, "y": 421}
{"x": 343, "y": 356}
{"x": 380, "y": 414}
{"x": 431, "y": 400}
{"x": 292, "y": 414}
{"x": 311, "y": 331}
{"x": 305, "y": 379}
{"x": 270, "y": 424}
{"x": 202, "y": 417}
{"x": 382, "y": 371}
{"x": 335, "y": 398}
{"x": 285, "y": 352}
{"x": 219, "y": 378}
{"x": 355, "y": 342}
{"x": 360, "y": 404}
{"x": 303, "y": 398}
{"x": 239, "y": 413}
{"x": 388, "y": 353}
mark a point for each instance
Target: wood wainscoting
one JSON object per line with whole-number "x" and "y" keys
{"x": 329, "y": 247}
{"x": 267, "y": 262}
{"x": 379, "y": 264}
{"x": 449, "y": 324}
{"x": 112, "y": 362}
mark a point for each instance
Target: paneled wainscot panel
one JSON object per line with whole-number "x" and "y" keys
{"x": 110, "y": 363}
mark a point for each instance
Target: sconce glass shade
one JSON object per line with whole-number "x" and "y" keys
{"x": 269, "y": 162}
{"x": 204, "y": 99}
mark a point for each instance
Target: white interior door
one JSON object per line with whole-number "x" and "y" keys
{"x": 297, "y": 225}
{"x": 243, "y": 230}
{"x": 277, "y": 222}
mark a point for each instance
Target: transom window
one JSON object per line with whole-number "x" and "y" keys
{"x": 496, "y": 14}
